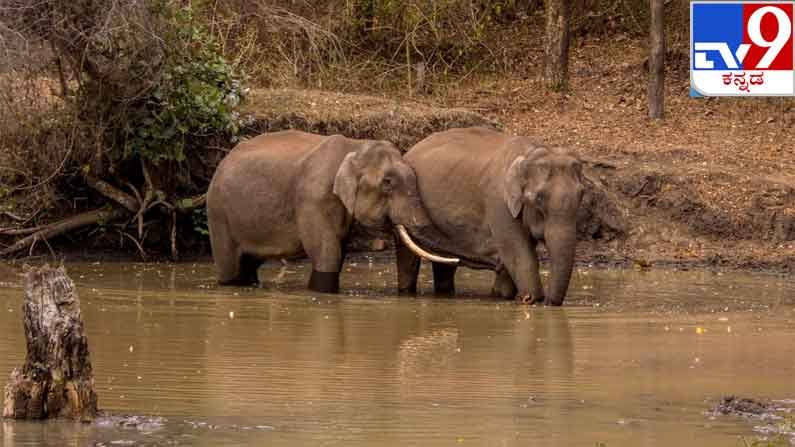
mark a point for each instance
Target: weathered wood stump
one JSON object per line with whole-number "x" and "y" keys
{"x": 56, "y": 379}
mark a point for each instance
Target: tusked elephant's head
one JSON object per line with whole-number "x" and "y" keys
{"x": 544, "y": 186}
{"x": 379, "y": 189}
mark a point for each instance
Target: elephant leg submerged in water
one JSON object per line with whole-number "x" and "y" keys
{"x": 495, "y": 197}
{"x": 286, "y": 194}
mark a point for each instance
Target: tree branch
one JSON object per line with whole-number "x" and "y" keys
{"x": 113, "y": 193}
{"x": 20, "y": 231}
{"x": 64, "y": 226}
{"x": 147, "y": 199}
{"x": 12, "y": 216}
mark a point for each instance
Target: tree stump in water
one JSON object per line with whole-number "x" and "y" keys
{"x": 56, "y": 379}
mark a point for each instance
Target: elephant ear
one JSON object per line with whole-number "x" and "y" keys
{"x": 345, "y": 182}
{"x": 513, "y": 186}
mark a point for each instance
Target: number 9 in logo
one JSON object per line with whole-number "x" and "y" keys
{"x": 773, "y": 46}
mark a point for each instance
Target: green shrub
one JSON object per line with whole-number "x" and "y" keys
{"x": 195, "y": 95}
{"x": 199, "y": 220}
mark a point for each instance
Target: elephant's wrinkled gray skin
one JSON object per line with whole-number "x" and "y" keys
{"x": 286, "y": 194}
{"x": 495, "y": 196}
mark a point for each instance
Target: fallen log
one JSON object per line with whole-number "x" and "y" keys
{"x": 56, "y": 379}
{"x": 20, "y": 231}
{"x": 64, "y": 226}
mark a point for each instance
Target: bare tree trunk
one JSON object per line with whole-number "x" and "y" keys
{"x": 56, "y": 379}
{"x": 556, "y": 49}
{"x": 656, "y": 61}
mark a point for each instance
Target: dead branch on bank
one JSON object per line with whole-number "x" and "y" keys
{"x": 103, "y": 216}
{"x": 64, "y": 226}
{"x": 113, "y": 193}
{"x": 149, "y": 194}
{"x": 12, "y": 216}
{"x": 20, "y": 231}
{"x": 138, "y": 245}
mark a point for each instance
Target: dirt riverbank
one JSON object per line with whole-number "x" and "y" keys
{"x": 712, "y": 185}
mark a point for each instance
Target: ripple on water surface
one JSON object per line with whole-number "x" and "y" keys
{"x": 634, "y": 358}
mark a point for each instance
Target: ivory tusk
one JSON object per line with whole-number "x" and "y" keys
{"x": 404, "y": 236}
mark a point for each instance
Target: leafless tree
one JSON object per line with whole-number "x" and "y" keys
{"x": 656, "y": 61}
{"x": 556, "y": 45}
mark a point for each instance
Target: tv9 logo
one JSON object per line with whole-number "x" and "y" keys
{"x": 741, "y": 48}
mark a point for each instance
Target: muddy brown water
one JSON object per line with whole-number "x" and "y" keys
{"x": 633, "y": 359}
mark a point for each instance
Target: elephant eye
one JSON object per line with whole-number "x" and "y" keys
{"x": 388, "y": 183}
{"x": 540, "y": 199}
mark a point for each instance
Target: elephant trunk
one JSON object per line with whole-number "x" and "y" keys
{"x": 560, "y": 239}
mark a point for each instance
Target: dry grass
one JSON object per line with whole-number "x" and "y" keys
{"x": 358, "y": 116}
{"x": 36, "y": 144}
{"x": 722, "y": 171}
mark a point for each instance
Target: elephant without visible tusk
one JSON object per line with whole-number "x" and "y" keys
{"x": 292, "y": 193}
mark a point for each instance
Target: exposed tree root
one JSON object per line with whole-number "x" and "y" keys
{"x": 138, "y": 245}
{"x": 136, "y": 204}
{"x": 174, "y": 253}
{"x": 146, "y": 200}
{"x": 113, "y": 193}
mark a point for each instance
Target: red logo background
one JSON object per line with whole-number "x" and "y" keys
{"x": 769, "y": 25}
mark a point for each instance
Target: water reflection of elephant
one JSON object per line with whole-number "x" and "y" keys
{"x": 365, "y": 362}
{"x": 489, "y": 379}
{"x": 480, "y": 352}
{"x": 490, "y": 375}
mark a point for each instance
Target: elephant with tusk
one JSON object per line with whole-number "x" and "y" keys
{"x": 494, "y": 197}
{"x": 290, "y": 193}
